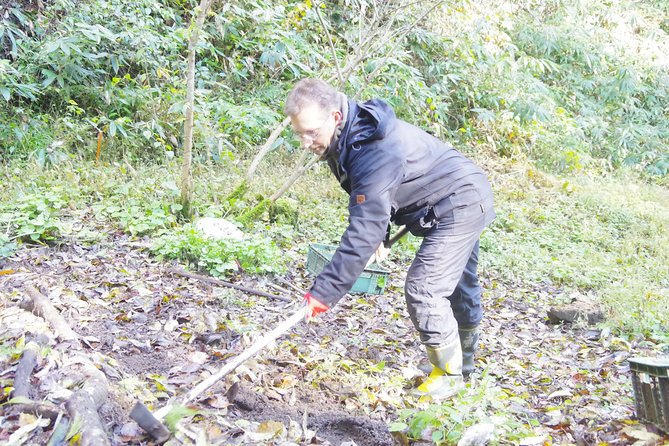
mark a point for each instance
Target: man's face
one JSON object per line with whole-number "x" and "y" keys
{"x": 315, "y": 127}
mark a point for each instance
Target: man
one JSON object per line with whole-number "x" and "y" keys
{"x": 396, "y": 172}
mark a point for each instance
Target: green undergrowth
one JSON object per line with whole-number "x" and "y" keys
{"x": 607, "y": 237}
{"x": 79, "y": 201}
{"x": 482, "y": 406}
{"x": 604, "y": 236}
{"x": 257, "y": 254}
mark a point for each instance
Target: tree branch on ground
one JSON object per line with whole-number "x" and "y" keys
{"x": 40, "y": 305}
{"x": 29, "y": 360}
{"x": 213, "y": 281}
{"x": 83, "y": 406}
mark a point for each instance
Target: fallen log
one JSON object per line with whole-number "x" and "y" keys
{"x": 213, "y": 281}
{"x": 83, "y": 405}
{"x": 41, "y": 306}
{"x": 83, "y": 408}
{"x": 27, "y": 363}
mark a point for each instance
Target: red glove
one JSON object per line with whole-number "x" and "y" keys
{"x": 314, "y": 307}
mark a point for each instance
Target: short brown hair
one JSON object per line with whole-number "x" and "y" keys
{"x": 311, "y": 91}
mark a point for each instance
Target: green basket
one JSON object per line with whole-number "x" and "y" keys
{"x": 650, "y": 381}
{"x": 372, "y": 280}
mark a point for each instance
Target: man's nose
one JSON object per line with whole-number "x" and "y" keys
{"x": 306, "y": 141}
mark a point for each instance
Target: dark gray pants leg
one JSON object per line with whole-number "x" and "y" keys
{"x": 466, "y": 299}
{"x": 433, "y": 278}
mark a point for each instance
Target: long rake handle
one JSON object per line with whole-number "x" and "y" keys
{"x": 238, "y": 360}
{"x": 395, "y": 238}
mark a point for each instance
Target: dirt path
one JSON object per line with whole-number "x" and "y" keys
{"x": 342, "y": 379}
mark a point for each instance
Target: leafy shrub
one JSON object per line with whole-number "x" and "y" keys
{"x": 219, "y": 257}
{"x": 524, "y": 79}
{"x": 21, "y": 133}
{"x": 7, "y": 246}
{"x": 34, "y": 216}
{"x": 138, "y": 216}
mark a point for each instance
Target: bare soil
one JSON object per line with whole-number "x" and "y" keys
{"x": 334, "y": 427}
{"x": 150, "y": 325}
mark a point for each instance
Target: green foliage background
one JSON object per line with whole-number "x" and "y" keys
{"x": 573, "y": 84}
{"x": 564, "y": 103}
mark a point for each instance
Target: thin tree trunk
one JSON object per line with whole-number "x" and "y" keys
{"x": 296, "y": 174}
{"x": 186, "y": 167}
{"x": 376, "y": 37}
{"x": 317, "y": 7}
{"x": 265, "y": 148}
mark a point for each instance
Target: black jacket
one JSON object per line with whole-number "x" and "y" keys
{"x": 396, "y": 172}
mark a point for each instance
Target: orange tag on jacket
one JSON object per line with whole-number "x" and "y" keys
{"x": 359, "y": 199}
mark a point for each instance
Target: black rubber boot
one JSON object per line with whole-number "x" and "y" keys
{"x": 469, "y": 338}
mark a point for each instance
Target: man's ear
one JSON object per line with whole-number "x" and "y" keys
{"x": 338, "y": 116}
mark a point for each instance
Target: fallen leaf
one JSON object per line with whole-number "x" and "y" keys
{"x": 170, "y": 325}
{"x": 645, "y": 437}
{"x": 265, "y": 431}
{"x": 217, "y": 401}
{"x": 198, "y": 357}
{"x": 270, "y": 426}
{"x": 529, "y": 441}
{"x": 559, "y": 394}
{"x": 20, "y": 436}
{"x": 477, "y": 435}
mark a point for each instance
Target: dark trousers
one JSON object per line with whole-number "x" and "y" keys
{"x": 442, "y": 289}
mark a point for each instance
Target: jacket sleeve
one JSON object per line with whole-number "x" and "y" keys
{"x": 375, "y": 175}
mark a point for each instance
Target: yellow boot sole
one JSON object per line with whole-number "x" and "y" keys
{"x": 439, "y": 385}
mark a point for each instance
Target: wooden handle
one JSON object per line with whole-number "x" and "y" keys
{"x": 401, "y": 233}
{"x": 239, "y": 359}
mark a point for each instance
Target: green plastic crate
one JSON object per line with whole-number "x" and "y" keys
{"x": 650, "y": 381}
{"x": 372, "y": 280}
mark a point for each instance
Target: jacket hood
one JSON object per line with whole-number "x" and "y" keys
{"x": 366, "y": 122}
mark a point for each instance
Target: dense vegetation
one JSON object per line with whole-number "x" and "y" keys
{"x": 573, "y": 84}
{"x": 564, "y": 102}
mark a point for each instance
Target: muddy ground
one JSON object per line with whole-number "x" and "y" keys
{"x": 146, "y": 322}
{"x": 340, "y": 380}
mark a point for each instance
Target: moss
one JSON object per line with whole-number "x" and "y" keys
{"x": 255, "y": 213}
{"x": 284, "y": 212}
{"x": 239, "y": 192}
